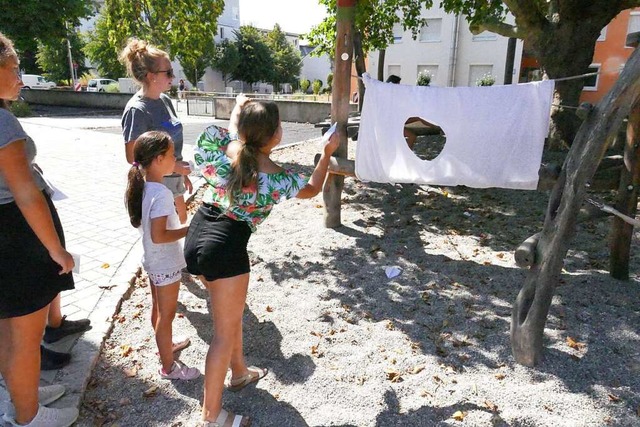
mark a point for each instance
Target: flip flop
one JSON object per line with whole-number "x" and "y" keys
{"x": 228, "y": 419}
{"x": 255, "y": 374}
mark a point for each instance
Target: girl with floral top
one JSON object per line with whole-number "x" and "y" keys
{"x": 245, "y": 184}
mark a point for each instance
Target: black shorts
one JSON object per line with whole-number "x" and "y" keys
{"x": 216, "y": 245}
{"x": 29, "y": 278}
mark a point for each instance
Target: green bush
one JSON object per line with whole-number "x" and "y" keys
{"x": 330, "y": 82}
{"x": 317, "y": 86}
{"x": 486, "y": 80}
{"x": 304, "y": 85}
{"x": 112, "y": 88}
{"x": 20, "y": 109}
{"x": 173, "y": 92}
{"x": 424, "y": 78}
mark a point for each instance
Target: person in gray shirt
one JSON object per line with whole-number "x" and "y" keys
{"x": 150, "y": 109}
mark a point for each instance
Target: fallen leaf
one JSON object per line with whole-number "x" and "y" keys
{"x": 151, "y": 391}
{"x": 575, "y": 344}
{"x": 130, "y": 372}
{"x": 393, "y": 375}
{"x": 269, "y": 309}
{"x": 105, "y": 265}
{"x": 500, "y": 376}
{"x": 491, "y": 406}
{"x": 548, "y": 408}
{"x": 613, "y": 397}
{"x": 417, "y": 369}
{"x": 125, "y": 350}
{"x": 459, "y": 415}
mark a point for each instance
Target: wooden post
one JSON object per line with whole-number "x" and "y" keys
{"x": 531, "y": 307}
{"x": 627, "y": 200}
{"x": 332, "y": 190}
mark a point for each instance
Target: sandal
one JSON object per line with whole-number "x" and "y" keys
{"x": 228, "y": 419}
{"x": 255, "y": 374}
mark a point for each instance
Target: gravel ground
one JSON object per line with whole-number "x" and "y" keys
{"x": 346, "y": 346}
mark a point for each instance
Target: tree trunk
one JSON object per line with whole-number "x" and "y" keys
{"x": 565, "y": 49}
{"x": 532, "y": 304}
{"x": 332, "y": 190}
{"x": 381, "y": 56}
{"x": 361, "y": 67}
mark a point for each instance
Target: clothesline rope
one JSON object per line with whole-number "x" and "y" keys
{"x": 611, "y": 210}
{"x": 560, "y": 79}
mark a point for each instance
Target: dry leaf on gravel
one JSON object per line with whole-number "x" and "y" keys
{"x": 459, "y": 415}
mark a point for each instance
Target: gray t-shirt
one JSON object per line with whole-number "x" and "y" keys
{"x": 160, "y": 258}
{"x": 144, "y": 114}
{"x": 11, "y": 131}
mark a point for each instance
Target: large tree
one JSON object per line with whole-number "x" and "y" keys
{"x": 226, "y": 58}
{"x": 373, "y": 27}
{"x": 561, "y": 33}
{"x": 53, "y": 58}
{"x": 102, "y": 52}
{"x": 256, "y": 62}
{"x": 286, "y": 58}
{"x": 184, "y": 28}
{"x": 29, "y": 22}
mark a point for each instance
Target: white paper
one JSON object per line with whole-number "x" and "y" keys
{"x": 329, "y": 132}
{"x": 392, "y": 271}
{"x": 76, "y": 262}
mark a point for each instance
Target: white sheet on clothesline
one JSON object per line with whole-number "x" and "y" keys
{"x": 494, "y": 135}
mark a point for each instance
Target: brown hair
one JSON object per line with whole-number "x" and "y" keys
{"x": 257, "y": 123}
{"x": 140, "y": 58}
{"x": 6, "y": 52}
{"x": 148, "y": 146}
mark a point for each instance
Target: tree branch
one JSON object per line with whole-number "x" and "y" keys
{"x": 526, "y": 13}
{"x": 501, "y": 28}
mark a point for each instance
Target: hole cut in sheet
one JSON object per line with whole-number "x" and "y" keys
{"x": 424, "y": 137}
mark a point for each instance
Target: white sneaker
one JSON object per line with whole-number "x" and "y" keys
{"x": 46, "y": 394}
{"x": 48, "y": 417}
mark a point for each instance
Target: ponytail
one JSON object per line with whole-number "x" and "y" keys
{"x": 257, "y": 123}
{"x": 148, "y": 146}
{"x": 133, "y": 195}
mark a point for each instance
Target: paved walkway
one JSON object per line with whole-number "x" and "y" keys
{"x": 84, "y": 158}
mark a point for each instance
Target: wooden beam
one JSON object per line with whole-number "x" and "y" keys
{"x": 339, "y": 166}
{"x": 341, "y": 94}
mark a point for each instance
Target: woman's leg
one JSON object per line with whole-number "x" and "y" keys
{"x": 154, "y": 305}
{"x": 20, "y": 361}
{"x": 167, "y": 302}
{"x": 54, "y": 317}
{"x": 228, "y": 298}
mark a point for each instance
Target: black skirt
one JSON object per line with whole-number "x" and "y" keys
{"x": 29, "y": 278}
{"x": 216, "y": 245}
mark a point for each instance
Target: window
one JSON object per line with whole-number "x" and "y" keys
{"x": 591, "y": 82}
{"x": 634, "y": 23}
{"x": 394, "y": 69}
{"x": 603, "y": 35}
{"x": 397, "y": 33}
{"x": 485, "y": 36}
{"x": 432, "y": 31}
{"x": 476, "y": 72}
{"x": 222, "y": 33}
{"x": 431, "y": 69}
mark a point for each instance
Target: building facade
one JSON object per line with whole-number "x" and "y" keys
{"x": 448, "y": 51}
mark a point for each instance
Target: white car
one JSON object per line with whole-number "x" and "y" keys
{"x": 34, "y": 81}
{"x": 99, "y": 85}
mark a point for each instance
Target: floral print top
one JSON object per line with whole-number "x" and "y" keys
{"x": 253, "y": 205}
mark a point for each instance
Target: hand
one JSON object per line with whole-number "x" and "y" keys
{"x": 182, "y": 167}
{"x": 332, "y": 144}
{"x": 63, "y": 259}
{"x": 188, "y": 185}
{"x": 241, "y": 100}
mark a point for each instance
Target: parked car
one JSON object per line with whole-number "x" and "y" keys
{"x": 99, "y": 85}
{"x": 34, "y": 81}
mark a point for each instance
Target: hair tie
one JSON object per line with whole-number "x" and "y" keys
{"x": 136, "y": 164}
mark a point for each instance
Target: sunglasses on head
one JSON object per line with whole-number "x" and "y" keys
{"x": 169, "y": 72}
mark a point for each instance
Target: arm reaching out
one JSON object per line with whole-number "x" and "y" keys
{"x": 314, "y": 186}
{"x": 241, "y": 101}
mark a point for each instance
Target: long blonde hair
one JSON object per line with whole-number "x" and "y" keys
{"x": 140, "y": 58}
{"x": 257, "y": 123}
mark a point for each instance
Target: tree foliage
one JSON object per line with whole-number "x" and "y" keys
{"x": 226, "y": 58}
{"x": 185, "y": 29}
{"x": 29, "y": 22}
{"x": 101, "y": 52}
{"x": 287, "y": 60}
{"x": 53, "y": 58}
{"x": 256, "y": 62}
